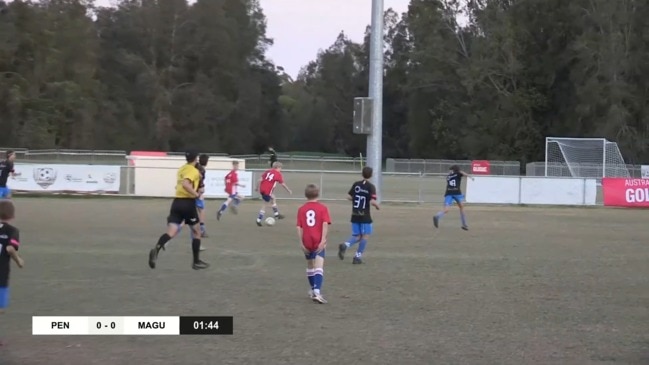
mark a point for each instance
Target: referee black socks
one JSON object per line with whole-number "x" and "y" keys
{"x": 162, "y": 241}
{"x": 196, "y": 249}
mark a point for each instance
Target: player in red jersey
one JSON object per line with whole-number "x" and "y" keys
{"x": 266, "y": 185}
{"x": 231, "y": 188}
{"x": 313, "y": 222}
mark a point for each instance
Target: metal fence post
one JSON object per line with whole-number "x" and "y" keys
{"x": 420, "y": 178}
{"x": 322, "y": 184}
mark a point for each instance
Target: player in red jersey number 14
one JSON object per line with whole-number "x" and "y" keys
{"x": 266, "y": 186}
{"x": 313, "y": 222}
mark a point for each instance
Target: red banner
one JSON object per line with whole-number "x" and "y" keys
{"x": 621, "y": 192}
{"x": 480, "y": 167}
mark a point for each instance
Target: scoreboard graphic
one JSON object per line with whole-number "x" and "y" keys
{"x": 132, "y": 326}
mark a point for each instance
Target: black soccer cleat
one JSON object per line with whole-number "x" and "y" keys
{"x": 219, "y": 214}
{"x": 341, "y": 251}
{"x": 466, "y": 228}
{"x": 436, "y": 221}
{"x": 357, "y": 261}
{"x": 153, "y": 256}
{"x": 259, "y": 223}
{"x": 279, "y": 216}
{"x": 199, "y": 265}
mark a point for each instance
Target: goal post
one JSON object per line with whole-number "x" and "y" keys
{"x": 583, "y": 157}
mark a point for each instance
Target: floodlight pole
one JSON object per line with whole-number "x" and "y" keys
{"x": 374, "y": 140}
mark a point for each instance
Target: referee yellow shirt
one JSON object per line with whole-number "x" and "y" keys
{"x": 187, "y": 172}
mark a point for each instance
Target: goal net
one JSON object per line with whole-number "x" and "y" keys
{"x": 583, "y": 157}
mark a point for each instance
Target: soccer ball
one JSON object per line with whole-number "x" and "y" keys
{"x": 270, "y": 221}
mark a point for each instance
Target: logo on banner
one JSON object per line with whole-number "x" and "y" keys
{"x": 91, "y": 180}
{"x": 110, "y": 178}
{"x": 44, "y": 176}
{"x": 480, "y": 167}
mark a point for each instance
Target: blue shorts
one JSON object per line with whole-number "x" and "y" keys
{"x": 267, "y": 198}
{"x": 4, "y": 298}
{"x": 234, "y": 196}
{"x": 448, "y": 200}
{"x": 5, "y": 193}
{"x": 313, "y": 254}
{"x": 200, "y": 203}
{"x": 361, "y": 229}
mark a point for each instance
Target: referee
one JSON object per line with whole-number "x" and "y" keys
{"x": 273, "y": 156}
{"x": 183, "y": 209}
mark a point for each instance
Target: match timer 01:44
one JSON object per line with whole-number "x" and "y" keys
{"x": 178, "y": 325}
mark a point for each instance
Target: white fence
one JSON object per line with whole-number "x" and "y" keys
{"x": 583, "y": 169}
{"x": 397, "y": 187}
{"x": 509, "y": 168}
{"x": 532, "y": 190}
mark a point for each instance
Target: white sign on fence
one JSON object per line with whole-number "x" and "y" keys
{"x": 531, "y": 190}
{"x": 215, "y": 183}
{"x": 644, "y": 170}
{"x": 69, "y": 178}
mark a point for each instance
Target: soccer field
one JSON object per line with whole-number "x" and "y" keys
{"x": 523, "y": 286}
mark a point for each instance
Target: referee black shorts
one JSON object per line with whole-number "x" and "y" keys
{"x": 183, "y": 210}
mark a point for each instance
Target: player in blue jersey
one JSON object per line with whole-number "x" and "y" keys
{"x": 6, "y": 170}
{"x": 363, "y": 196}
{"x": 453, "y": 194}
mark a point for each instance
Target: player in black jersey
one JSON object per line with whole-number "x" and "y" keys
{"x": 453, "y": 194}
{"x": 6, "y": 170}
{"x": 363, "y": 196}
{"x": 9, "y": 244}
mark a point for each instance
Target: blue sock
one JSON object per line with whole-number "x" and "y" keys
{"x": 463, "y": 217}
{"x": 352, "y": 240}
{"x": 260, "y": 216}
{"x": 275, "y": 210}
{"x": 361, "y": 247}
{"x": 439, "y": 214}
{"x": 318, "y": 278}
{"x": 224, "y": 206}
{"x": 236, "y": 201}
{"x": 202, "y": 227}
{"x": 310, "y": 275}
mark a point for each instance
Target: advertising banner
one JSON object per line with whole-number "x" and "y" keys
{"x": 215, "y": 183}
{"x": 622, "y": 192}
{"x": 65, "y": 178}
{"x": 480, "y": 167}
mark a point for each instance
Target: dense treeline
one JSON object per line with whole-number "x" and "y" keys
{"x": 164, "y": 74}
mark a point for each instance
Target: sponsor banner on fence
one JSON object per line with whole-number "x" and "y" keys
{"x": 215, "y": 183}
{"x": 621, "y": 192}
{"x": 644, "y": 171}
{"x": 68, "y": 178}
{"x": 480, "y": 167}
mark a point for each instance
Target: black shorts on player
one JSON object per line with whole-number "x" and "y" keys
{"x": 183, "y": 211}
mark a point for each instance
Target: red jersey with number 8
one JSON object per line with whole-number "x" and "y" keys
{"x": 269, "y": 179}
{"x": 311, "y": 217}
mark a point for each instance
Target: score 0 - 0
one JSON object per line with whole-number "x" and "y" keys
{"x": 106, "y": 326}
